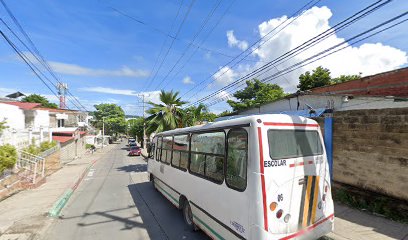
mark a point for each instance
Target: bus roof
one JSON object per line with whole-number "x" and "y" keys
{"x": 241, "y": 120}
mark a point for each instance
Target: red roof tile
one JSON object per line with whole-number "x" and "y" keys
{"x": 24, "y": 105}
{"x": 62, "y": 139}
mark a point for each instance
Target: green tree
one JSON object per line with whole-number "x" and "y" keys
{"x": 112, "y": 115}
{"x": 135, "y": 127}
{"x": 8, "y": 157}
{"x": 255, "y": 94}
{"x": 318, "y": 78}
{"x": 197, "y": 115}
{"x": 321, "y": 77}
{"x": 36, "y": 98}
{"x": 167, "y": 115}
{"x": 345, "y": 78}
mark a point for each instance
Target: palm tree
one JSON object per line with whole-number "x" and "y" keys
{"x": 165, "y": 116}
{"x": 195, "y": 115}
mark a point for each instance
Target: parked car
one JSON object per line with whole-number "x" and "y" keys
{"x": 132, "y": 144}
{"x": 135, "y": 151}
{"x": 131, "y": 140}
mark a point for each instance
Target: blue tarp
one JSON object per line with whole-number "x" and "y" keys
{"x": 305, "y": 113}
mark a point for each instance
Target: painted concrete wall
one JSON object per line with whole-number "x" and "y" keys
{"x": 336, "y": 102}
{"x": 13, "y": 114}
{"x": 41, "y": 119}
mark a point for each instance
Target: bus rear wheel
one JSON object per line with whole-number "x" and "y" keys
{"x": 188, "y": 216}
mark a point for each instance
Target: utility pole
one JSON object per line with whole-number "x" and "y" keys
{"x": 144, "y": 124}
{"x": 103, "y": 130}
{"x": 62, "y": 91}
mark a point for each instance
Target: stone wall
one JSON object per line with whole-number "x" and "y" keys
{"x": 53, "y": 163}
{"x": 370, "y": 150}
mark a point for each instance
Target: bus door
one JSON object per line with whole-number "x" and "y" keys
{"x": 296, "y": 173}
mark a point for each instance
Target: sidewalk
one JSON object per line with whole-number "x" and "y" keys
{"x": 358, "y": 225}
{"x": 25, "y": 213}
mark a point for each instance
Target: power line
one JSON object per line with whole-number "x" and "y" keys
{"x": 205, "y": 39}
{"x": 172, "y": 42}
{"x": 35, "y": 56}
{"x": 304, "y": 46}
{"x": 26, "y": 61}
{"x": 351, "y": 41}
{"x": 42, "y": 61}
{"x": 210, "y": 14}
{"x": 253, "y": 44}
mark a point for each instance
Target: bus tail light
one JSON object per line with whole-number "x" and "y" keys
{"x": 279, "y": 213}
{"x": 287, "y": 218}
{"x": 324, "y": 197}
{"x": 273, "y": 206}
{"x": 326, "y": 188}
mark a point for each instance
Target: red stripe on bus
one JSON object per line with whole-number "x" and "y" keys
{"x": 310, "y": 162}
{"x": 290, "y": 124}
{"x": 263, "y": 180}
{"x": 292, "y": 165}
{"x": 308, "y": 229}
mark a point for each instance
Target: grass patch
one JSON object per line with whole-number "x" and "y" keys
{"x": 378, "y": 205}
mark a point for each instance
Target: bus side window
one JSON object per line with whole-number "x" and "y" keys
{"x": 166, "y": 149}
{"x": 181, "y": 147}
{"x": 159, "y": 148}
{"x": 207, "y": 155}
{"x": 237, "y": 157}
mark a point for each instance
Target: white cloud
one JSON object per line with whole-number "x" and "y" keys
{"x": 368, "y": 58}
{"x": 234, "y": 42}
{"x": 224, "y": 76}
{"x": 73, "y": 69}
{"x": 108, "y": 90}
{"x": 77, "y": 70}
{"x": 187, "y": 80}
{"x": 6, "y": 91}
{"x": 223, "y": 95}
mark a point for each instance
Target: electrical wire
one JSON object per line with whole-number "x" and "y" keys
{"x": 201, "y": 28}
{"x": 172, "y": 42}
{"x": 351, "y": 41}
{"x": 302, "y": 47}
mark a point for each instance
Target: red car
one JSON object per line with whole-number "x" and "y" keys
{"x": 135, "y": 151}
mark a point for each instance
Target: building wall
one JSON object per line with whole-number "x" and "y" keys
{"x": 337, "y": 102}
{"x": 13, "y": 115}
{"x": 41, "y": 119}
{"x": 73, "y": 149}
{"x": 370, "y": 150}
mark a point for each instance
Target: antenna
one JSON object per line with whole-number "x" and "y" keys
{"x": 62, "y": 92}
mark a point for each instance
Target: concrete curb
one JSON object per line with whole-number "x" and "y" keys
{"x": 59, "y": 205}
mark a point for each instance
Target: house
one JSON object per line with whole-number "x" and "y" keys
{"x": 365, "y": 125}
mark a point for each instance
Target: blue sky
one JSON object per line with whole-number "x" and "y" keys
{"x": 105, "y": 56}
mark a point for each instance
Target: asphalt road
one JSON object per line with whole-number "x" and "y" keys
{"x": 116, "y": 201}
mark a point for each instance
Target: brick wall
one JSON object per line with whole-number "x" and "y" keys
{"x": 370, "y": 150}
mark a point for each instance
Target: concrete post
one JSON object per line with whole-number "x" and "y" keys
{"x": 50, "y": 134}
{"x": 41, "y": 134}
{"x": 30, "y": 135}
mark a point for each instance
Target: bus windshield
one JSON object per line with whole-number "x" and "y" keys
{"x": 293, "y": 143}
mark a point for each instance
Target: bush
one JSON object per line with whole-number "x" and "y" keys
{"x": 88, "y": 146}
{"x": 44, "y": 146}
{"x": 8, "y": 157}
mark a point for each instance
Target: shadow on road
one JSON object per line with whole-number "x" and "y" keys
{"x": 133, "y": 168}
{"x": 161, "y": 219}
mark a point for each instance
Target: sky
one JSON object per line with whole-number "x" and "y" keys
{"x": 118, "y": 51}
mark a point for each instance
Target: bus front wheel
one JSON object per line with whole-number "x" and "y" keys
{"x": 188, "y": 216}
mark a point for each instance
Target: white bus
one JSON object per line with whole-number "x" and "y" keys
{"x": 250, "y": 177}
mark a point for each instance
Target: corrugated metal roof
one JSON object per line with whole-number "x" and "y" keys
{"x": 24, "y": 105}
